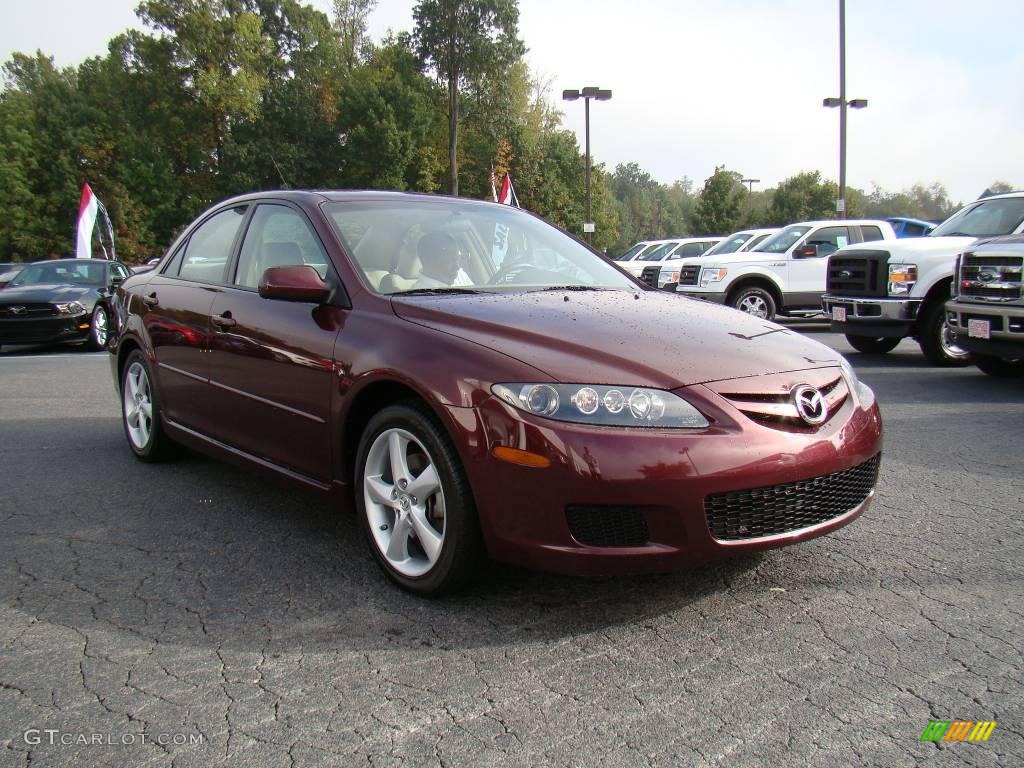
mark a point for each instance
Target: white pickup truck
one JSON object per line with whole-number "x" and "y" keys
{"x": 785, "y": 274}
{"x": 879, "y": 293}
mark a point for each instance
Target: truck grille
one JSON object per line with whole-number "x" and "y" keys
{"x": 776, "y": 509}
{"x": 864, "y": 273}
{"x": 991, "y": 278}
{"x": 650, "y": 276}
{"x": 689, "y": 274}
{"x": 607, "y": 526}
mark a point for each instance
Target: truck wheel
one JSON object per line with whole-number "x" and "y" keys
{"x": 998, "y": 367}
{"x": 877, "y": 345}
{"x": 936, "y": 338}
{"x": 754, "y": 301}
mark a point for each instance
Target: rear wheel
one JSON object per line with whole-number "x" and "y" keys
{"x": 415, "y": 502}
{"x": 938, "y": 343}
{"x": 755, "y": 301}
{"x": 878, "y": 345}
{"x": 1000, "y": 368}
{"x": 140, "y": 412}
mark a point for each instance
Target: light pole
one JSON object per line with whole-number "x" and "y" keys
{"x": 842, "y": 103}
{"x": 750, "y": 184}
{"x": 588, "y": 93}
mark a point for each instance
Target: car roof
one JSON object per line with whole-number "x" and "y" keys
{"x": 70, "y": 260}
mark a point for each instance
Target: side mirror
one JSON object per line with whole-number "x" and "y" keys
{"x": 806, "y": 252}
{"x": 298, "y": 282}
{"x": 116, "y": 280}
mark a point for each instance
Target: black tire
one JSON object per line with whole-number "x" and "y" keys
{"x": 462, "y": 551}
{"x": 936, "y": 339}
{"x": 99, "y": 329}
{"x": 998, "y": 367}
{"x": 750, "y": 298}
{"x": 877, "y": 345}
{"x": 158, "y": 446}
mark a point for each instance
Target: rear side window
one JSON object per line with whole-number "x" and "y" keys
{"x": 691, "y": 249}
{"x": 209, "y": 247}
{"x": 874, "y": 233}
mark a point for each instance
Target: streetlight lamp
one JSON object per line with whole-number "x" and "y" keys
{"x": 588, "y": 93}
{"x": 750, "y": 184}
{"x": 842, "y": 103}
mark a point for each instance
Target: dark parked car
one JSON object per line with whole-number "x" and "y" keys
{"x": 476, "y": 382}
{"x": 8, "y": 271}
{"x": 62, "y": 300}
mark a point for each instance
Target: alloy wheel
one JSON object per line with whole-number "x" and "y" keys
{"x": 753, "y": 305}
{"x": 138, "y": 406}
{"x": 100, "y": 328}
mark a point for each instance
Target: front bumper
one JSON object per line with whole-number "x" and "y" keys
{"x": 718, "y": 297}
{"x": 1004, "y": 325}
{"x": 661, "y": 476}
{"x": 892, "y": 318}
{"x": 45, "y": 330}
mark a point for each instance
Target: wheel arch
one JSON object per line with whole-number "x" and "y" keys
{"x": 756, "y": 281}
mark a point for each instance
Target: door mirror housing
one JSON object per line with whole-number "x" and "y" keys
{"x": 806, "y": 252}
{"x": 297, "y": 282}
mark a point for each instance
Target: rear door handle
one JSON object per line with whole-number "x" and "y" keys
{"x": 150, "y": 301}
{"x": 224, "y": 321}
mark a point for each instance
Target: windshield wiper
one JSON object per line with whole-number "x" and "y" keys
{"x": 432, "y": 291}
{"x": 575, "y": 288}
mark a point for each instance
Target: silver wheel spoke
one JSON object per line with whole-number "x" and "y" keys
{"x": 429, "y": 539}
{"x": 426, "y": 485}
{"x": 133, "y": 384}
{"x": 397, "y": 446}
{"x": 132, "y": 415}
{"x": 380, "y": 492}
{"x": 147, "y": 409}
{"x": 398, "y": 547}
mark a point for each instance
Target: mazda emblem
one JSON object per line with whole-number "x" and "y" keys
{"x": 810, "y": 404}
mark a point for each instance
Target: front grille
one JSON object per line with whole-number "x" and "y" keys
{"x": 688, "y": 275}
{"x": 776, "y": 509}
{"x": 650, "y": 276}
{"x": 27, "y": 311}
{"x": 991, "y": 278}
{"x": 864, "y": 273}
{"x": 607, "y": 526}
{"x": 778, "y": 409}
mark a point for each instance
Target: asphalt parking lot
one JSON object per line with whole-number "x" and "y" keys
{"x": 200, "y": 603}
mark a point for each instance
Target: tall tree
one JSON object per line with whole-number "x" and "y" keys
{"x": 350, "y": 22}
{"x": 720, "y": 206}
{"x": 465, "y": 42}
{"x": 803, "y": 197}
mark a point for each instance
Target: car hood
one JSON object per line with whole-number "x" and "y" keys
{"x": 648, "y": 338}
{"x": 909, "y": 248}
{"x": 43, "y": 292}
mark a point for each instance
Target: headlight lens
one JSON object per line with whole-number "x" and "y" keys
{"x": 712, "y": 275}
{"x": 607, "y": 406}
{"x": 902, "y": 278}
{"x": 71, "y": 308}
{"x": 862, "y": 392}
{"x": 955, "y": 288}
{"x": 664, "y": 278}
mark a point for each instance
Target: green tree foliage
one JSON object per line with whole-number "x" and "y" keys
{"x": 804, "y": 197}
{"x": 647, "y": 209}
{"x": 466, "y": 42}
{"x": 719, "y": 208}
{"x": 350, "y": 22}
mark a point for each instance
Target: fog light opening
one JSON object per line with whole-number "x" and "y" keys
{"x": 520, "y": 458}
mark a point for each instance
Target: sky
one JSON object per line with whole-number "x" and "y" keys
{"x": 703, "y": 83}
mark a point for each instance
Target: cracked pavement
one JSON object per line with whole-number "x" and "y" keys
{"x": 257, "y": 623}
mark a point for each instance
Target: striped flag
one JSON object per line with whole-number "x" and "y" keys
{"x": 88, "y": 207}
{"x": 507, "y": 196}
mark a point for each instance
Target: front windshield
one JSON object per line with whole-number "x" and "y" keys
{"x": 783, "y": 241}
{"x": 730, "y": 245}
{"x": 424, "y": 245}
{"x": 985, "y": 218}
{"x": 658, "y": 253}
{"x": 64, "y": 271}
{"x": 632, "y": 252}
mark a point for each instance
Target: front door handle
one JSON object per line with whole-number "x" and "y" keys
{"x": 150, "y": 301}
{"x": 224, "y": 321}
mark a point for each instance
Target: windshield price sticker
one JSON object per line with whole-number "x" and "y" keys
{"x": 979, "y": 329}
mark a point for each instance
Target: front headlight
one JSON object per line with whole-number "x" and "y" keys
{"x": 861, "y": 392}
{"x": 712, "y": 275}
{"x": 902, "y": 278}
{"x": 606, "y": 406}
{"x": 71, "y": 308}
{"x": 954, "y": 290}
{"x": 664, "y": 278}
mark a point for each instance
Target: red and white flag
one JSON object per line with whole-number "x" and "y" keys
{"x": 507, "y": 196}
{"x": 88, "y": 208}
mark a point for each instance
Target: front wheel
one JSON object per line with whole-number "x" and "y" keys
{"x": 938, "y": 343}
{"x": 415, "y": 502}
{"x": 754, "y": 301}
{"x": 998, "y": 367}
{"x": 877, "y": 345}
{"x": 99, "y": 329}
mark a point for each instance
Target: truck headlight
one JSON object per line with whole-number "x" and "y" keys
{"x": 954, "y": 290}
{"x": 603, "y": 405}
{"x": 712, "y": 275}
{"x": 902, "y": 278}
{"x": 664, "y": 278}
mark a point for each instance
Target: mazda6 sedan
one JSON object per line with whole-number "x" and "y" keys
{"x": 478, "y": 384}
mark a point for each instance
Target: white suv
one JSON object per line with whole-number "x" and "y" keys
{"x": 785, "y": 274}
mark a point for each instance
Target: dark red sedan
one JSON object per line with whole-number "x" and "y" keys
{"x": 480, "y": 384}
